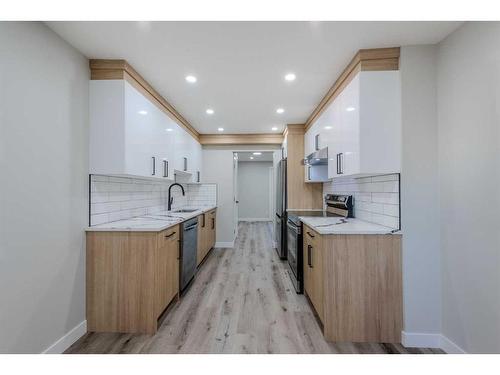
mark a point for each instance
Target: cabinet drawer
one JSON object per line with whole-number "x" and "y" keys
{"x": 312, "y": 237}
{"x": 168, "y": 236}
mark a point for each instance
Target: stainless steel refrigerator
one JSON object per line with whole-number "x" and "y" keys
{"x": 280, "y": 229}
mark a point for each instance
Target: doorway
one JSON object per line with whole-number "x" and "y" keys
{"x": 253, "y": 186}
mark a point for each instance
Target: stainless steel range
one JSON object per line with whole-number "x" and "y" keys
{"x": 336, "y": 206}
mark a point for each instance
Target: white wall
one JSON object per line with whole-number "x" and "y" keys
{"x": 469, "y": 179}
{"x": 254, "y": 190}
{"x": 43, "y": 194}
{"x": 419, "y": 191}
{"x": 218, "y": 168}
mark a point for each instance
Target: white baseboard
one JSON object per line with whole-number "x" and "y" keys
{"x": 420, "y": 340}
{"x": 450, "y": 347}
{"x": 256, "y": 219}
{"x": 430, "y": 340}
{"x": 67, "y": 340}
{"x": 225, "y": 245}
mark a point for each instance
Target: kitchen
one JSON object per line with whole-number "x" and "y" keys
{"x": 253, "y": 197}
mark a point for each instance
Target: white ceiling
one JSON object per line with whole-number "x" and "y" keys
{"x": 240, "y": 66}
{"x": 245, "y": 156}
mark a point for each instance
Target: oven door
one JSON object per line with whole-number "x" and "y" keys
{"x": 294, "y": 246}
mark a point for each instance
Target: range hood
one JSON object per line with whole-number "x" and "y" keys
{"x": 317, "y": 166}
{"x": 319, "y": 157}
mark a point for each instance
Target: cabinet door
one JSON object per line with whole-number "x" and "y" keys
{"x": 202, "y": 235}
{"x": 307, "y": 270}
{"x": 166, "y": 147}
{"x": 349, "y": 120}
{"x": 173, "y": 265}
{"x": 141, "y": 123}
{"x": 167, "y": 265}
{"x": 181, "y": 160}
{"x": 314, "y": 264}
{"x": 213, "y": 229}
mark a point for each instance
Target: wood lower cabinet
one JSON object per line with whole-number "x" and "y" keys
{"x": 206, "y": 234}
{"x": 355, "y": 285}
{"x": 131, "y": 279}
{"x": 313, "y": 269}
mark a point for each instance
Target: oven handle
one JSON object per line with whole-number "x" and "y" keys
{"x": 293, "y": 227}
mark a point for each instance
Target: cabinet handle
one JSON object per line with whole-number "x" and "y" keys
{"x": 170, "y": 235}
{"x": 309, "y": 255}
{"x": 310, "y": 235}
{"x": 338, "y": 171}
{"x": 154, "y": 166}
{"x": 308, "y": 173}
{"x": 185, "y": 164}
{"x": 203, "y": 224}
{"x": 213, "y": 223}
{"x": 198, "y": 176}
{"x": 165, "y": 168}
{"x": 341, "y": 167}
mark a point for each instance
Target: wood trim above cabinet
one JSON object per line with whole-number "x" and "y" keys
{"x": 241, "y": 139}
{"x": 101, "y": 69}
{"x": 365, "y": 60}
{"x": 300, "y": 195}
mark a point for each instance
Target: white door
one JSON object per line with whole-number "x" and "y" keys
{"x": 235, "y": 195}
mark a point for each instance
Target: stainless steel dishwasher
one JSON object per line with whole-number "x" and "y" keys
{"x": 189, "y": 246}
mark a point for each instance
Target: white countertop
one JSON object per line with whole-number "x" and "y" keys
{"x": 150, "y": 223}
{"x": 333, "y": 225}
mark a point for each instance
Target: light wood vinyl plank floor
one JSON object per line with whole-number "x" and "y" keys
{"x": 241, "y": 301}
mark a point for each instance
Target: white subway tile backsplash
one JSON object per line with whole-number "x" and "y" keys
{"x": 391, "y": 210}
{"x": 376, "y": 198}
{"x": 116, "y": 198}
{"x": 96, "y": 219}
{"x": 391, "y": 187}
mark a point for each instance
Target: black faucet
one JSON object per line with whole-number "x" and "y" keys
{"x": 171, "y": 199}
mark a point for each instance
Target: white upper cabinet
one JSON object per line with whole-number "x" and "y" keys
{"x": 131, "y": 136}
{"x": 362, "y": 127}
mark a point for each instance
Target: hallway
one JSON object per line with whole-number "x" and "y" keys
{"x": 241, "y": 301}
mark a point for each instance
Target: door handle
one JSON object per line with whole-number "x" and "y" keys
{"x": 170, "y": 235}
{"x": 309, "y": 255}
{"x": 154, "y": 166}
{"x": 165, "y": 168}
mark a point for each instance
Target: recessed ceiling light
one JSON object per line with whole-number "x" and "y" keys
{"x": 280, "y": 110}
{"x": 220, "y": 129}
{"x": 274, "y": 128}
{"x": 328, "y": 127}
{"x": 210, "y": 111}
{"x": 290, "y": 77}
{"x": 251, "y": 157}
{"x": 143, "y": 112}
{"x": 169, "y": 129}
{"x": 191, "y": 79}
{"x": 350, "y": 109}
{"x": 257, "y": 153}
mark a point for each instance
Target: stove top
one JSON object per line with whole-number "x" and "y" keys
{"x": 293, "y": 216}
